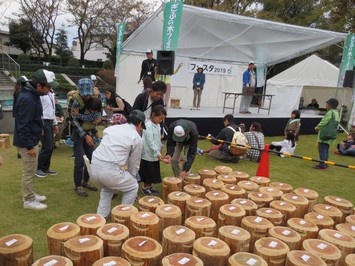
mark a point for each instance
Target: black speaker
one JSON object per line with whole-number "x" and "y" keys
{"x": 349, "y": 79}
{"x": 165, "y": 62}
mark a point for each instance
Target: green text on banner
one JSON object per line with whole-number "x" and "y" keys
{"x": 172, "y": 21}
{"x": 120, "y": 33}
{"x": 348, "y": 60}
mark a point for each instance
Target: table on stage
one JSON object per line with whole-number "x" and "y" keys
{"x": 235, "y": 95}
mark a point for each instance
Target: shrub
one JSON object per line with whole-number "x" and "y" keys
{"x": 23, "y": 59}
{"x": 107, "y": 64}
{"x": 73, "y": 62}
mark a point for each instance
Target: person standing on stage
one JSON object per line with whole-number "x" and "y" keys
{"x": 249, "y": 80}
{"x": 148, "y": 67}
{"x": 197, "y": 85}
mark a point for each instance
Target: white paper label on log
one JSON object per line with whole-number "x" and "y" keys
{"x": 282, "y": 203}
{"x": 191, "y": 174}
{"x": 110, "y": 263}
{"x": 11, "y": 242}
{"x": 286, "y": 232}
{"x": 215, "y": 194}
{"x": 183, "y": 261}
{"x": 141, "y": 244}
{"x": 327, "y": 207}
{"x": 294, "y": 197}
{"x": 225, "y": 176}
{"x": 180, "y": 231}
{"x": 322, "y": 246}
{"x": 242, "y": 202}
{"x": 273, "y": 244}
{"x": 169, "y": 208}
{"x": 145, "y": 215}
{"x": 235, "y": 232}
{"x": 126, "y": 208}
{"x": 199, "y": 201}
{"x": 200, "y": 219}
{"x": 223, "y": 167}
{"x": 214, "y": 181}
{"x": 212, "y": 243}
{"x": 305, "y": 257}
{"x": 232, "y": 208}
{"x": 303, "y": 222}
{"x": 233, "y": 187}
{"x": 173, "y": 178}
{"x": 111, "y": 230}
{"x": 337, "y": 235}
{"x": 270, "y": 189}
{"x": 65, "y": 227}
{"x": 353, "y": 228}
{"x": 251, "y": 261}
{"x": 258, "y": 219}
{"x": 306, "y": 190}
{"x": 178, "y": 194}
{"x": 268, "y": 211}
{"x": 50, "y": 263}
{"x": 90, "y": 218}
{"x": 151, "y": 200}
{"x": 320, "y": 217}
{"x": 83, "y": 240}
{"x": 248, "y": 183}
{"x": 338, "y": 200}
{"x": 205, "y": 171}
{"x": 238, "y": 173}
{"x": 260, "y": 195}
{"x": 259, "y": 178}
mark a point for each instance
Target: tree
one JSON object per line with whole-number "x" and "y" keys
{"x": 20, "y": 34}
{"x": 240, "y": 7}
{"x": 61, "y": 45}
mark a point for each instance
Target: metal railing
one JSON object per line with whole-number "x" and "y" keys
{"x": 9, "y": 64}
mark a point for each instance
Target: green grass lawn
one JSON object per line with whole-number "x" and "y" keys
{"x": 65, "y": 206}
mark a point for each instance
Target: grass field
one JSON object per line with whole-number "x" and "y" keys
{"x": 65, "y": 206}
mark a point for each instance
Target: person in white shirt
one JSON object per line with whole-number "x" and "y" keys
{"x": 121, "y": 145}
{"x": 50, "y": 128}
{"x": 288, "y": 145}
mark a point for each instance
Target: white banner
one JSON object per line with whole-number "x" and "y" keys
{"x": 213, "y": 68}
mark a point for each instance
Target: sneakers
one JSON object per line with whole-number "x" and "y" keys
{"x": 40, "y": 198}
{"x": 199, "y": 151}
{"x": 69, "y": 142}
{"x": 319, "y": 167}
{"x": 89, "y": 187}
{"x": 150, "y": 191}
{"x": 80, "y": 192}
{"x": 41, "y": 174}
{"x": 50, "y": 172}
{"x": 154, "y": 191}
{"x": 34, "y": 205}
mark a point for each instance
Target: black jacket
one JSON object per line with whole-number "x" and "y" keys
{"x": 141, "y": 102}
{"x": 227, "y": 135}
{"x": 191, "y": 141}
{"x": 28, "y": 118}
{"x": 148, "y": 69}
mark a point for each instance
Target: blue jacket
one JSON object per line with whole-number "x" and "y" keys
{"x": 28, "y": 118}
{"x": 199, "y": 78}
{"x": 246, "y": 77}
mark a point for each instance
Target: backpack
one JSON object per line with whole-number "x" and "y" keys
{"x": 238, "y": 139}
{"x": 127, "y": 108}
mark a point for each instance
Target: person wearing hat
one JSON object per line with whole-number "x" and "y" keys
{"x": 198, "y": 83}
{"x": 96, "y": 90}
{"x": 249, "y": 80}
{"x": 21, "y": 81}
{"x": 148, "y": 66}
{"x": 83, "y": 141}
{"x": 28, "y": 131}
{"x": 327, "y": 132}
{"x": 182, "y": 136}
{"x": 120, "y": 146}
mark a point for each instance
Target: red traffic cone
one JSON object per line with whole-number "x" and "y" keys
{"x": 263, "y": 168}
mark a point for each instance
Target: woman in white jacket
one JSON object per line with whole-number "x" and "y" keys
{"x": 288, "y": 145}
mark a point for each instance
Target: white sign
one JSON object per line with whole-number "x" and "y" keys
{"x": 213, "y": 68}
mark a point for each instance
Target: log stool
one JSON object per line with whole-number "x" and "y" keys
{"x": 284, "y": 187}
{"x": 248, "y": 186}
{"x": 5, "y": 141}
{"x": 286, "y": 208}
{"x": 195, "y": 190}
{"x": 168, "y": 215}
{"x": 178, "y": 238}
{"x": 240, "y": 176}
{"x": 303, "y": 258}
{"x": 89, "y": 223}
{"x": 325, "y": 250}
{"x": 249, "y": 206}
{"x": 16, "y": 250}
{"x": 301, "y": 203}
{"x": 201, "y": 225}
{"x": 230, "y": 214}
{"x": 110, "y": 261}
{"x": 233, "y": 191}
{"x": 322, "y": 221}
{"x": 260, "y": 180}
{"x": 236, "y": 238}
{"x": 273, "y": 215}
{"x": 58, "y": 234}
{"x": 206, "y": 173}
{"x": 289, "y": 236}
{"x": 53, "y": 260}
{"x": 178, "y": 259}
{"x": 211, "y": 184}
{"x": 217, "y": 199}
{"x": 149, "y": 203}
{"x": 197, "y": 207}
{"x": 84, "y": 250}
{"x": 344, "y": 242}
{"x": 306, "y": 229}
{"x": 350, "y": 260}
{"x": 257, "y": 227}
{"x": 191, "y": 178}
{"x": 144, "y": 224}
{"x": 212, "y": 251}
{"x": 121, "y": 213}
{"x": 170, "y": 184}
{"x": 223, "y": 170}
{"x": 329, "y": 210}
{"x": 113, "y": 235}
{"x": 350, "y": 219}
{"x": 179, "y": 199}
{"x": 343, "y": 205}
{"x": 272, "y": 250}
{"x": 227, "y": 179}
{"x": 275, "y": 193}
{"x": 310, "y": 194}
{"x": 142, "y": 250}
{"x": 246, "y": 259}
{"x": 260, "y": 199}
{"x": 346, "y": 228}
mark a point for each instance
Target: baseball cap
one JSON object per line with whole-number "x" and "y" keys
{"x": 45, "y": 77}
{"x": 179, "y": 134}
{"x": 22, "y": 79}
{"x": 251, "y": 62}
{"x": 140, "y": 116}
{"x": 85, "y": 86}
{"x": 333, "y": 102}
{"x": 149, "y": 51}
{"x": 93, "y": 77}
{"x": 118, "y": 119}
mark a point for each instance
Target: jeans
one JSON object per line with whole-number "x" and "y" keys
{"x": 323, "y": 149}
{"x": 175, "y": 160}
{"x": 47, "y": 141}
{"x": 197, "y": 98}
{"x": 29, "y": 167}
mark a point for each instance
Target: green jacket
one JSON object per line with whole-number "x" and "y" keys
{"x": 325, "y": 120}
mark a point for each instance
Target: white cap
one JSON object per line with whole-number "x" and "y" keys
{"x": 179, "y": 134}
{"x": 251, "y": 62}
{"x": 149, "y": 51}
{"x": 93, "y": 77}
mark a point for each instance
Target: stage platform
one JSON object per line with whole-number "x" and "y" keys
{"x": 209, "y": 120}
